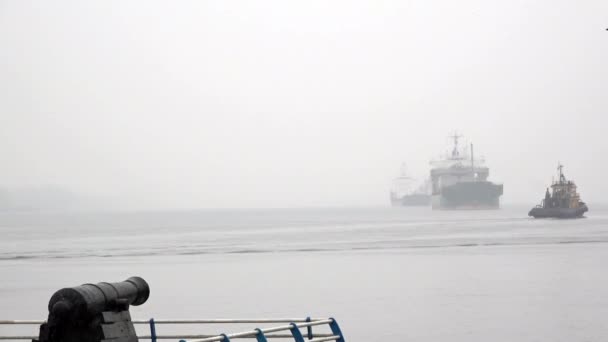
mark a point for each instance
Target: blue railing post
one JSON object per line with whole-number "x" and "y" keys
{"x": 260, "y": 336}
{"x": 152, "y": 330}
{"x": 309, "y": 329}
{"x": 295, "y": 332}
{"x": 226, "y": 339}
{"x": 335, "y": 329}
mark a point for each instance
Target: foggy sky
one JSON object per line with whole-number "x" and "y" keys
{"x": 195, "y": 104}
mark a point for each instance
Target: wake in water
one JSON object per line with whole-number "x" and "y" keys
{"x": 60, "y": 236}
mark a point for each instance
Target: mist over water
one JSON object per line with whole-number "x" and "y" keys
{"x": 130, "y": 131}
{"x": 273, "y": 104}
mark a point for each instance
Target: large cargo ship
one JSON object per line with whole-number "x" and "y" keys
{"x": 406, "y": 191}
{"x": 459, "y": 181}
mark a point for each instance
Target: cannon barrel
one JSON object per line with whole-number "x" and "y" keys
{"x": 92, "y": 299}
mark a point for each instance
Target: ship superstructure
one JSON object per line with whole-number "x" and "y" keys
{"x": 459, "y": 181}
{"x": 407, "y": 191}
{"x": 563, "y": 201}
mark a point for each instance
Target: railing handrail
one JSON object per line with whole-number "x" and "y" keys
{"x": 191, "y": 321}
{"x": 169, "y": 337}
{"x": 20, "y": 321}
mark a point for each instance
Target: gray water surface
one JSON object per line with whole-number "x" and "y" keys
{"x": 399, "y": 274}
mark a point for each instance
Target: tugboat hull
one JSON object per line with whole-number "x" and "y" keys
{"x": 558, "y": 212}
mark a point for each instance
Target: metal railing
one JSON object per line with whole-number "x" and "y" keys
{"x": 260, "y": 334}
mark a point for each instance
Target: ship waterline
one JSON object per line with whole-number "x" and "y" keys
{"x": 415, "y": 199}
{"x": 469, "y": 195}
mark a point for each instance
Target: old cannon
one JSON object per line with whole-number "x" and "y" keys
{"x": 100, "y": 313}
{"x": 94, "y": 312}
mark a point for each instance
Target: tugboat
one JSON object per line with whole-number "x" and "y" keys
{"x": 562, "y": 202}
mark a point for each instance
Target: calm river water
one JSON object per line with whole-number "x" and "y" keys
{"x": 394, "y": 274}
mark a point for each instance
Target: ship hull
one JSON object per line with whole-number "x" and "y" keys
{"x": 558, "y": 212}
{"x": 481, "y": 195}
{"x": 413, "y": 200}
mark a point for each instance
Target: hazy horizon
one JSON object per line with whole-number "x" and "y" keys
{"x": 272, "y": 104}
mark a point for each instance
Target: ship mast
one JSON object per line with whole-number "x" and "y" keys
{"x": 455, "y": 153}
{"x": 560, "y": 168}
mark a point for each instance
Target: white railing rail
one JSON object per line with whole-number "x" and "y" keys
{"x": 191, "y": 321}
